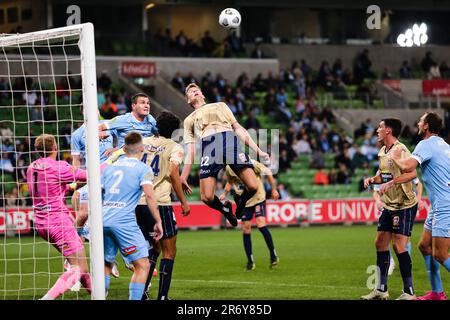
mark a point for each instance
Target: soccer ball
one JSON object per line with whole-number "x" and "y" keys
{"x": 230, "y": 18}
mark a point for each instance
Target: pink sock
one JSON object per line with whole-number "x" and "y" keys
{"x": 65, "y": 282}
{"x": 85, "y": 280}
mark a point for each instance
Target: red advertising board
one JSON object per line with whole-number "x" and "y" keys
{"x": 277, "y": 213}
{"x": 138, "y": 69}
{"x": 437, "y": 87}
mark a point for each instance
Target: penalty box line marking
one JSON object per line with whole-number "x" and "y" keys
{"x": 265, "y": 284}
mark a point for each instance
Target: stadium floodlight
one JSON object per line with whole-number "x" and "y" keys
{"x": 417, "y": 35}
{"x": 45, "y": 60}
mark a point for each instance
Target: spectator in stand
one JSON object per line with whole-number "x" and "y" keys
{"x": 30, "y": 98}
{"x": 6, "y": 134}
{"x": 190, "y": 79}
{"x": 65, "y": 134}
{"x": 434, "y": 72}
{"x": 333, "y": 176}
{"x": 359, "y": 160}
{"x": 181, "y": 42}
{"x": 284, "y": 161}
{"x": 445, "y": 70}
{"x": 259, "y": 84}
{"x": 338, "y": 89}
{"x": 37, "y": 114}
{"x": 6, "y": 164}
{"x": 321, "y": 178}
{"x": 302, "y": 146}
{"x": 284, "y": 194}
{"x": 427, "y": 62}
{"x": 271, "y": 81}
{"x": 109, "y": 109}
{"x": 324, "y": 144}
{"x": 282, "y": 97}
{"x": 386, "y": 74}
{"x": 306, "y": 69}
{"x": 222, "y": 50}
{"x": 405, "y": 70}
{"x": 178, "y": 82}
{"x": 235, "y": 43}
{"x": 208, "y": 44}
{"x": 300, "y": 106}
{"x": 343, "y": 175}
{"x": 324, "y": 77}
{"x": 214, "y": 95}
{"x": 14, "y": 199}
{"x": 104, "y": 81}
{"x": 337, "y": 68}
{"x": 252, "y": 122}
{"x": 317, "y": 159}
{"x": 121, "y": 106}
{"x": 347, "y": 76}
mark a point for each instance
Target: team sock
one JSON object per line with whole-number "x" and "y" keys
{"x": 153, "y": 257}
{"x": 66, "y": 281}
{"x": 107, "y": 282}
{"x": 268, "y": 238}
{"x": 217, "y": 204}
{"x": 446, "y": 264}
{"x": 136, "y": 290}
{"x": 248, "y": 246}
{"x": 404, "y": 260}
{"x": 383, "y": 261}
{"x": 165, "y": 277}
{"x": 434, "y": 274}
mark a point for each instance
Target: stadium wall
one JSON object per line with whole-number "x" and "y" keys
{"x": 279, "y": 213}
{"x": 382, "y": 56}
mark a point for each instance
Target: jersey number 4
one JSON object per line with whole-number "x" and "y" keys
{"x": 155, "y": 165}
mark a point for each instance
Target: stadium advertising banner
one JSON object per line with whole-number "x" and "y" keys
{"x": 436, "y": 87}
{"x": 138, "y": 69}
{"x": 277, "y": 213}
{"x": 394, "y": 84}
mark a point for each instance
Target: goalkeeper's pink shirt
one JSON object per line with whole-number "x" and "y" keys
{"x": 47, "y": 180}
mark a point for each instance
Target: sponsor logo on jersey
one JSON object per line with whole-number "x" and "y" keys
{"x": 129, "y": 250}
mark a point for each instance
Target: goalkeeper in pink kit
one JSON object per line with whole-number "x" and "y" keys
{"x": 47, "y": 179}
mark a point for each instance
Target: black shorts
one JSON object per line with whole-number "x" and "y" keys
{"x": 258, "y": 210}
{"x": 146, "y": 222}
{"x": 219, "y": 150}
{"x": 397, "y": 221}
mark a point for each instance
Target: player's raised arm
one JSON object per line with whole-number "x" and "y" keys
{"x": 151, "y": 202}
{"x": 177, "y": 186}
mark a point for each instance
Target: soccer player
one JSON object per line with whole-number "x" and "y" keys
{"x": 138, "y": 120}
{"x": 123, "y": 183}
{"x": 216, "y": 126}
{"x": 256, "y": 206}
{"x": 399, "y": 211}
{"x": 164, "y": 156}
{"x": 433, "y": 156}
{"x": 47, "y": 179}
{"x": 379, "y": 204}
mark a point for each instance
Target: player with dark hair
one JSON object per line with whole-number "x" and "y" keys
{"x": 433, "y": 156}
{"x": 164, "y": 156}
{"x": 138, "y": 120}
{"x": 47, "y": 179}
{"x": 399, "y": 211}
{"x": 217, "y": 128}
{"x": 123, "y": 183}
{"x": 255, "y": 207}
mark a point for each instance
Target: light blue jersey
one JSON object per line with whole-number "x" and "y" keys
{"x": 120, "y": 126}
{"x": 78, "y": 144}
{"x": 433, "y": 155}
{"x": 122, "y": 184}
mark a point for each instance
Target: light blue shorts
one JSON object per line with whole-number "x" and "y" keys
{"x": 440, "y": 226}
{"x": 84, "y": 194}
{"x": 126, "y": 238}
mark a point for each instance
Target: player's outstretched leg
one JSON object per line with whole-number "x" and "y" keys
{"x": 432, "y": 266}
{"x": 207, "y": 190}
{"x": 246, "y": 235}
{"x": 269, "y": 242}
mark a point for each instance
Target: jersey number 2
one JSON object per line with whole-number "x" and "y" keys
{"x": 155, "y": 165}
{"x": 114, "y": 189}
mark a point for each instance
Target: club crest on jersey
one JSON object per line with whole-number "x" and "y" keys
{"x": 129, "y": 250}
{"x": 257, "y": 208}
{"x": 390, "y": 163}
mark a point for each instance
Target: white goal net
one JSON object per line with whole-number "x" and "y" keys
{"x": 45, "y": 77}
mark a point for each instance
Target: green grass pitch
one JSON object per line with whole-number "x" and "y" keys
{"x": 326, "y": 262}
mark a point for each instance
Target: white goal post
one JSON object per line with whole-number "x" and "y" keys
{"x": 84, "y": 35}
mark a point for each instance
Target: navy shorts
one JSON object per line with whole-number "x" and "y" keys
{"x": 146, "y": 222}
{"x": 397, "y": 221}
{"x": 258, "y": 210}
{"x": 219, "y": 150}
